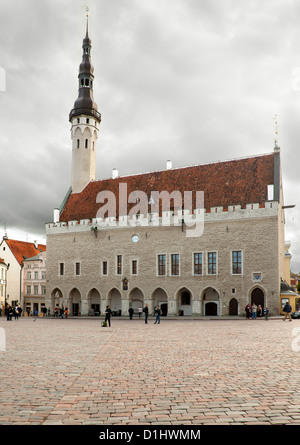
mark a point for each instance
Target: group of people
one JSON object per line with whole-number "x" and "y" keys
{"x": 12, "y": 311}
{"x": 255, "y": 311}
{"x": 157, "y": 313}
{"x": 60, "y": 312}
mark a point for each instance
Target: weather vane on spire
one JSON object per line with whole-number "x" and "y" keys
{"x": 276, "y": 128}
{"x": 87, "y": 18}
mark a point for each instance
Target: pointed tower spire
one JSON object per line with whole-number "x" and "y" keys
{"x": 85, "y": 119}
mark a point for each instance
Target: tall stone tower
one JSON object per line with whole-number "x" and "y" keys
{"x": 85, "y": 120}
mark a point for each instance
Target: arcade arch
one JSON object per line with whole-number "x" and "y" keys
{"x": 211, "y": 301}
{"x": 136, "y": 298}
{"x": 94, "y": 299}
{"x": 160, "y": 297}
{"x": 184, "y": 301}
{"x": 115, "y": 301}
{"x": 74, "y": 302}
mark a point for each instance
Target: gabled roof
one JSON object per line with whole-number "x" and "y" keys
{"x": 22, "y": 249}
{"x": 236, "y": 182}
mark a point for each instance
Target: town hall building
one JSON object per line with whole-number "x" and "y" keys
{"x": 201, "y": 240}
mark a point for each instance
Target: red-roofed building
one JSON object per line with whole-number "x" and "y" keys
{"x": 200, "y": 240}
{"x": 14, "y": 253}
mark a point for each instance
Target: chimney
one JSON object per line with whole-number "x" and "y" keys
{"x": 35, "y": 244}
{"x": 169, "y": 165}
{"x": 115, "y": 173}
{"x": 55, "y": 215}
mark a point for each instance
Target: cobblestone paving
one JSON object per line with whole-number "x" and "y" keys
{"x": 74, "y": 371}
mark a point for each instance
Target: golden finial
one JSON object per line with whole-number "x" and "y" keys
{"x": 87, "y": 11}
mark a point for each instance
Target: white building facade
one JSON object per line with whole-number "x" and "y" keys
{"x": 34, "y": 284}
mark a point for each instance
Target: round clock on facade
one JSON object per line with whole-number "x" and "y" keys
{"x": 135, "y": 238}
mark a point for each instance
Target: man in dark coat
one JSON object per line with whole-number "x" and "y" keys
{"x": 287, "y": 309}
{"x": 107, "y": 315}
{"x": 146, "y": 310}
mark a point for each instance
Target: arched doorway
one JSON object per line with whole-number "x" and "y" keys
{"x": 184, "y": 301}
{"x": 211, "y": 308}
{"x": 136, "y": 298}
{"x": 258, "y": 297}
{"x": 94, "y": 302}
{"x": 115, "y": 301}
{"x": 75, "y": 302}
{"x": 56, "y": 298}
{"x": 233, "y": 307}
{"x": 211, "y": 301}
{"x": 160, "y": 298}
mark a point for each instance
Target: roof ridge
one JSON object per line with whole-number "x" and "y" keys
{"x": 187, "y": 166}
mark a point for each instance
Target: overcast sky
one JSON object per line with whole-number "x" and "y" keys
{"x": 193, "y": 81}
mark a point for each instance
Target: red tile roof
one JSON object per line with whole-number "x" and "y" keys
{"x": 22, "y": 249}
{"x": 235, "y": 182}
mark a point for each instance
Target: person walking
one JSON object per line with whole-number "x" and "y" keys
{"x": 287, "y": 309}
{"x": 107, "y": 315}
{"x": 16, "y": 312}
{"x": 266, "y": 312}
{"x": 157, "y": 313}
{"x": 248, "y": 311}
{"x": 146, "y": 311}
{"x": 130, "y": 310}
{"x": 259, "y": 310}
{"x": 254, "y": 311}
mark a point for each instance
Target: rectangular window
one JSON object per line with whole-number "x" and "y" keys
{"x": 237, "y": 262}
{"x": 104, "y": 268}
{"x": 197, "y": 263}
{"x": 161, "y": 264}
{"x": 61, "y": 269}
{"x": 36, "y": 275}
{"x": 43, "y": 290}
{"x": 212, "y": 263}
{"x": 43, "y": 275}
{"x": 28, "y": 275}
{"x": 119, "y": 264}
{"x": 36, "y": 289}
{"x": 175, "y": 264}
{"x": 77, "y": 269}
{"x": 28, "y": 290}
{"x": 134, "y": 267}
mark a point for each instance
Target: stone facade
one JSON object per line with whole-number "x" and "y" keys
{"x": 82, "y": 264}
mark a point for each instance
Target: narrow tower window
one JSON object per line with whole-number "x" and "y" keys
{"x": 78, "y": 143}
{"x": 86, "y": 143}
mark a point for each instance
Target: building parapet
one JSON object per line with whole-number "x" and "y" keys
{"x": 216, "y": 214}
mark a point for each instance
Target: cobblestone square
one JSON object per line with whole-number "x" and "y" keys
{"x": 182, "y": 371}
